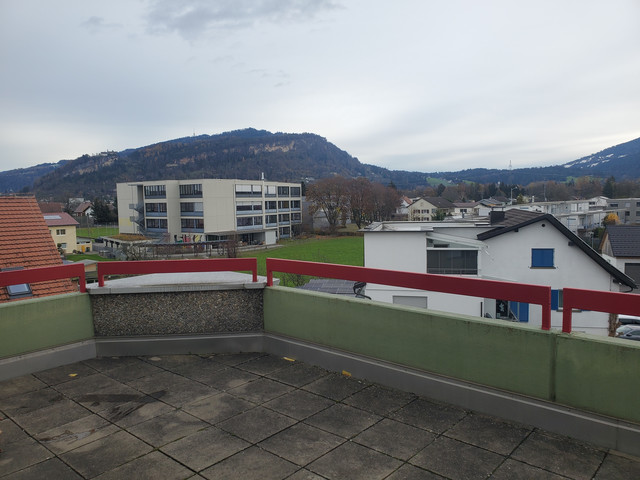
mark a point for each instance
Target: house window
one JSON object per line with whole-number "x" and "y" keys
{"x": 157, "y": 223}
{"x": 613, "y": 205}
{"x": 556, "y": 300}
{"x": 155, "y": 207}
{"x": 295, "y": 191}
{"x": 187, "y": 208}
{"x": 283, "y": 191}
{"x": 20, "y": 289}
{"x": 542, "y": 258}
{"x": 456, "y": 262}
{"x": 61, "y": 231}
{"x": 192, "y": 224}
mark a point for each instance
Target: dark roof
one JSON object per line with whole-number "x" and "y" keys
{"x": 624, "y": 240}
{"x": 438, "y": 202}
{"x": 59, "y": 219}
{"x": 515, "y": 219}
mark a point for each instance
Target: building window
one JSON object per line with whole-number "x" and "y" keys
{"x": 296, "y": 217}
{"x": 247, "y": 222}
{"x": 271, "y": 191}
{"x": 61, "y": 231}
{"x": 613, "y": 205}
{"x": 283, "y": 205}
{"x": 283, "y": 218}
{"x": 272, "y": 219}
{"x": 155, "y": 191}
{"x": 157, "y": 223}
{"x": 19, "y": 290}
{"x": 295, "y": 191}
{"x": 248, "y": 207}
{"x": 542, "y": 258}
{"x": 155, "y": 207}
{"x": 270, "y": 205}
{"x": 283, "y": 191}
{"x": 192, "y": 224}
{"x": 190, "y": 208}
{"x": 248, "y": 190}
{"x": 191, "y": 190}
{"x": 295, "y": 204}
{"x": 449, "y": 261}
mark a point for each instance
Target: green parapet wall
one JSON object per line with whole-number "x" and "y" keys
{"x": 600, "y": 374}
{"x": 502, "y": 355}
{"x": 36, "y": 324}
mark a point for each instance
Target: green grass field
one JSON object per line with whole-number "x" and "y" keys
{"x": 95, "y": 232}
{"x": 340, "y": 250}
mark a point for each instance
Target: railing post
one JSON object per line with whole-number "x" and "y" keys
{"x": 269, "y": 273}
{"x": 546, "y": 312}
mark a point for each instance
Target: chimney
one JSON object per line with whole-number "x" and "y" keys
{"x": 496, "y": 216}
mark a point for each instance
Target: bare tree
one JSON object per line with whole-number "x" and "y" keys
{"x": 330, "y": 196}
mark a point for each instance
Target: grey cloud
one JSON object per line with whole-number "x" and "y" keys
{"x": 98, "y": 24}
{"x": 193, "y": 18}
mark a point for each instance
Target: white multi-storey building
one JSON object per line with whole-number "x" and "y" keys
{"x": 258, "y": 212}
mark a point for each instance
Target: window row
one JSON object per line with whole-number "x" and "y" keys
{"x": 248, "y": 221}
{"x": 157, "y": 223}
{"x": 191, "y": 190}
{"x": 190, "y": 207}
{"x": 155, "y": 191}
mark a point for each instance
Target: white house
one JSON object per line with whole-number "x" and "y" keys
{"x": 514, "y": 246}
{"x": 621, "y": 247}
{"x": 423, "y": 209}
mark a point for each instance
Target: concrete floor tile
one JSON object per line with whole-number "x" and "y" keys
{"x": 515, "y": 470}
{"x": 354, "y": 462}
{"x": 173, "y": 389}
{"x": 560, "y": 455}
{"x": 298, "y": 375}
{"x": 20, "y": 455}
{"x": 432, "y": 416}
{"x": 457, "y": 460}
{"x": 20, "y": 386}
{"x": 20, "y": 404}
{"x": 128, "y": 414}
{"x": 75, "y": 434}
{"x": 379, "y": 400}
{"x": 52, "y": 469}
{"x": 130, "y": 372}
{"x": 57, "y": 414}
{"x": 105, "y": 454}
{"x": 11, "y": 432}
{"x": 299, "y": 404}
{"x": 260, "y": 391}
{"x": 251, "y": 464}
{"x": 152, "y": 466}
{"x": 264, "y": 365}
{"x": 411, "y": 472}
{"x": 233, "y": 359}
{"x": 256, "y": 424}
{"x": 304, "y": 474}
{"x": 217, "y": 408}
{"x": 343, "y": 420}
{"x": 204, "y": 448}
{"x": 336, "y": 387}
{"x": 617, "y": 466}
{"x": 395, "y": 439}
{"x": 301, "y": 444}
{"x": 489, "y": 433}
{"x": 65, "y": 373}
{"x": 166, "y": 428}
{"x": 227, "y": 378}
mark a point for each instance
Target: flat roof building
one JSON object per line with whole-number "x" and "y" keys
{"x": 209, "y": 210}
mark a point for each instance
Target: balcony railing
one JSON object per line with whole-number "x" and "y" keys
{"x": 43, "y": 274}
{"x": 599, "y": 301}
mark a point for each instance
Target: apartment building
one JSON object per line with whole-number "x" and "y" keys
{"x": 258, "y": 212}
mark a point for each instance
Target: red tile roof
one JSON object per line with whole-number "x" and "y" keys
{"x": 25, "y": 241}
{"x": 59, "y": 219}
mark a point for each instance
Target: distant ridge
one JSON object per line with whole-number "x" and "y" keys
{"x": 249, "y": 153}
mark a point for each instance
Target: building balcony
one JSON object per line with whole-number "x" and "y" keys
{"x": 157, "y": 230}
{"x": 192, "y": 230}
{"x": 191, "y": 214}
{"x": 131, "y": 376}
{"x": 156, "y": 214}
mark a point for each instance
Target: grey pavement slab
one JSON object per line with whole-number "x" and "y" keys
{"x": 355, "y": 462}
{"x": 453, "y": 459}
{"x": 249, "y": 416}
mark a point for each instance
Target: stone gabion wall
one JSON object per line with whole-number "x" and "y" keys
{"x": 176, "y": 313}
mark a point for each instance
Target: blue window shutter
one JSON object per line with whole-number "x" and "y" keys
{"x": 554, "y": 299}
{"x": 542, "y": 257}
{"x": 524, "y": 312}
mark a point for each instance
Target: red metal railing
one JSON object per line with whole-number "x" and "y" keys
{"x": 43, "y": 274}
{"x": 612, "y": 302}
{"x": 177, "y": 266}
{"x": 473, "y": 287}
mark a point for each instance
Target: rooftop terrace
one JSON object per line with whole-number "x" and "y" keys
{"x": 259, "y": 416}
{"x": 196, "y": 379}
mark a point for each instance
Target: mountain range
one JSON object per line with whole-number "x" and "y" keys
{"x": 252, "y": 154}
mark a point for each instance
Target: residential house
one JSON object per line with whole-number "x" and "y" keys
{"x": 25, "y": 242}
{"x": 517, "y": 246}
{"x": 85, "y": 209}
{"x": 63, "y": 230}
{"x": 620, "y": 246}
{"x": 425, "y": 209}
{"x": 627, "y": 209}
{"x": 465, "y": 209}
{"x": 210, "y": 210}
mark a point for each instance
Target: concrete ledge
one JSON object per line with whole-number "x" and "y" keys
{"x": 43, "y": 360}
{"x": 596, "y": 429}
{"x": 178, "y": 344}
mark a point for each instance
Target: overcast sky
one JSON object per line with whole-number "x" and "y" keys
{"x": 426, "y": 85}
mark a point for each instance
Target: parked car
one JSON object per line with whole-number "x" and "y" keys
{"x": 628, "y": 319}
{"x": 630, "y": 332}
